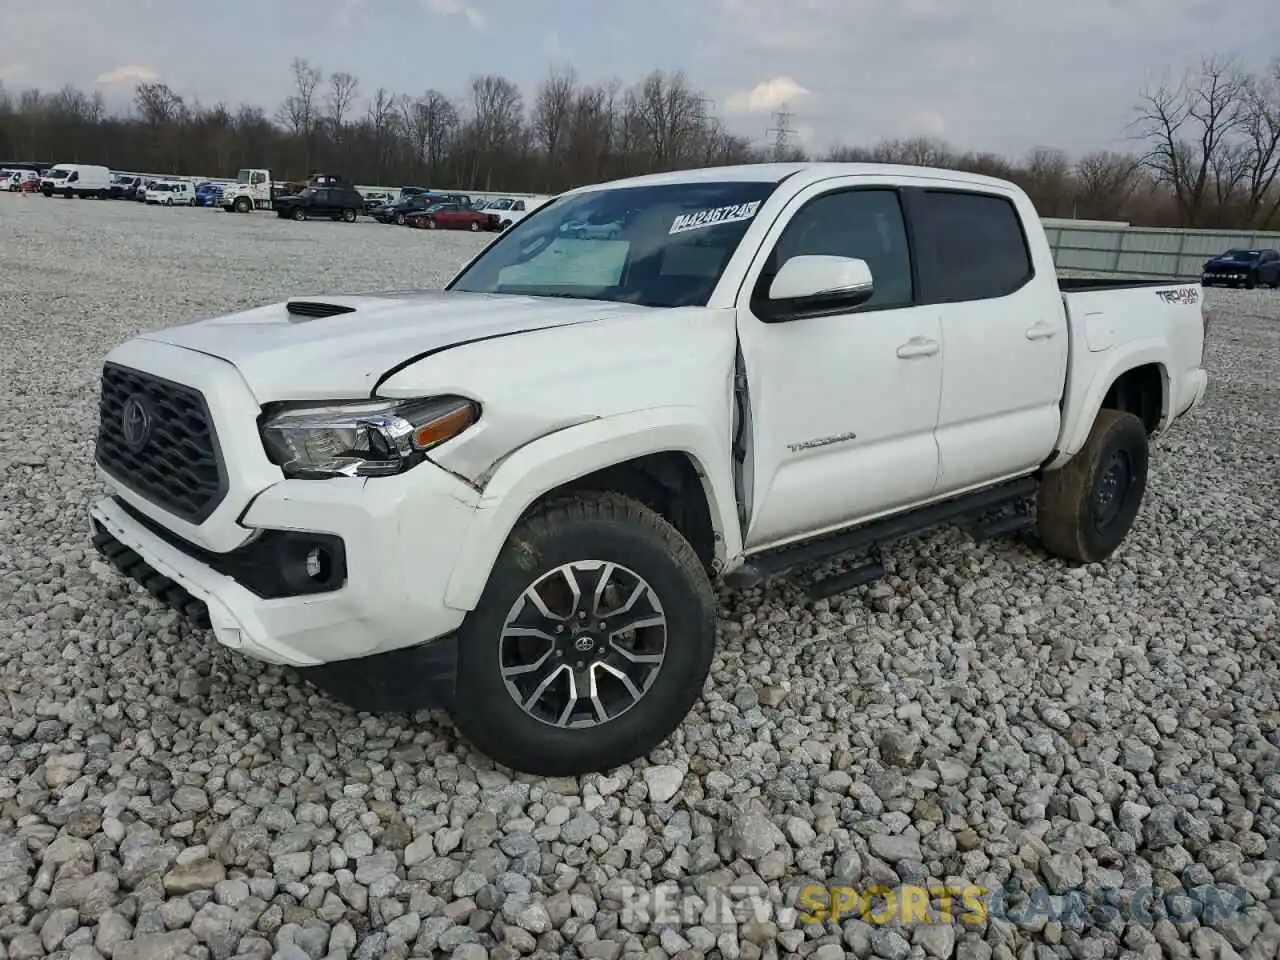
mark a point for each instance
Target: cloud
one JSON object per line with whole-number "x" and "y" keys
{"x": 129, "y": 75}
{"x": 767, "y": 96}
{"x": 999, "y": 75}
{"x": 554, "y": 48}
{"x": 458, "y": 8}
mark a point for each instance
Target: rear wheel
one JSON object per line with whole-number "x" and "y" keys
{"x": 1086, "y": 508}
{"x": 591, "y": 642}
{"x": 349, "y": 216}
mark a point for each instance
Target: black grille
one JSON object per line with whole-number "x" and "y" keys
{"x": 175, "y": 463}
{"x": 311, "y": 308}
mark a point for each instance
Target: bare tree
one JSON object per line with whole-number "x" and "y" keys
{"x": 428, "y": 122}
{"x": 496, "y": 124}
{"x": 1046, "y": 176}
{"x": 1188, "y": 129}
{"x": 1261, "y": 130}
{"x": 665, "y": 115}
{"x": 342, "y": 91}
{"x": 298, "y": 112}
{"x": 157, "y": 104}
{"x": 552, "y": 118}
{"x": 1104, "y": 183}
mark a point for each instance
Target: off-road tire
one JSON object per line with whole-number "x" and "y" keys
{"x": 1067, "y": 509}
{"x": 589, "y": 526}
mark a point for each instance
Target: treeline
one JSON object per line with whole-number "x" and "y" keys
{"x": 1207, "y": 149}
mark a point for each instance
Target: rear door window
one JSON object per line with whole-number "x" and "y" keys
{"x": 970, "y": 245}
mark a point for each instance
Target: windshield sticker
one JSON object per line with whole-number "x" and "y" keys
{"x": 717, "y": 215}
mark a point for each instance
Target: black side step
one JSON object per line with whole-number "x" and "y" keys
{"x": 876, "y": 533}
{"x": 1001, "y": 526}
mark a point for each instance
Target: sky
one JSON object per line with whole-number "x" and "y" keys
{"x": 1005, "y": 76}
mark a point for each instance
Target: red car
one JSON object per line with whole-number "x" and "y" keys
{"x": 452, "y": 216}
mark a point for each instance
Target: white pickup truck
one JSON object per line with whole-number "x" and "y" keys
{"x": 510, "y": 498}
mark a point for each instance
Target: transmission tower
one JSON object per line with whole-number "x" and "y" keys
{"x": 781, "y": 131}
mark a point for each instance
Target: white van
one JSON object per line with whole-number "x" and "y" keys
{"x": 172, "y": 193}
{"x": 77, "y": 180}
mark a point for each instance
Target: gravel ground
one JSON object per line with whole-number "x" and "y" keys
{"x": 984, "y": 716}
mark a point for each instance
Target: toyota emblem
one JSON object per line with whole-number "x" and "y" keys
{"x": 135, "y": 423}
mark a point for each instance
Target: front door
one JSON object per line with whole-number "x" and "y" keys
{"x": 843, "y": 407}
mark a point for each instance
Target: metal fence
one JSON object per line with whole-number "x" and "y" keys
{"x": 1121, "y": 250}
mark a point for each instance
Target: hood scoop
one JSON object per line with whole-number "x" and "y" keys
{"x": 312, "y": 309}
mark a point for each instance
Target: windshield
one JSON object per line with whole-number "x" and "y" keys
{"x": 1241, "y": 255}
{"x": 658, "y": 246}
{"x": 244, "y": 176}
{"x": 58, "y": 174}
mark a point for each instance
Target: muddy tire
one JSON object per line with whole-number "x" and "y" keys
{"x": 1086, "y": 508}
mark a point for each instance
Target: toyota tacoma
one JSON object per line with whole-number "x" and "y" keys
{"x": 511, "y": 498}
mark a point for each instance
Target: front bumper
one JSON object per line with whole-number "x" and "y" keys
{"x": 400, "y": 538}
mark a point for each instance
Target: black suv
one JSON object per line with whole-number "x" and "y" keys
{"x": 337, "y": 201}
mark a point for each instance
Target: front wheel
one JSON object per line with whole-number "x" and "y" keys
{"x": 243, "y": 205}
{"x": 591, "y": 642}
{"x": 1086, "y": 508}
{"x": 299, "y": 214}
{"x": 349, "y": 216}
{"x": 475, "y": 227}
{"x": 431, "y": 224}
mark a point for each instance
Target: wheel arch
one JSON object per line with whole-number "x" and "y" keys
{"x": 657, "y": 457}
{"x": 1136, "y": 381}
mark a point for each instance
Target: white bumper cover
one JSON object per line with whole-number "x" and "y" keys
{"x": 401, "y": 537}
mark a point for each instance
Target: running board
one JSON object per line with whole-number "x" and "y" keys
{"x": 875, "y": 534}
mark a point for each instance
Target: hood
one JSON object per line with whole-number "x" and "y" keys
{"x": 286, "y": 356}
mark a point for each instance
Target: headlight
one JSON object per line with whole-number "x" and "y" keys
{"x": 363, "y": 439}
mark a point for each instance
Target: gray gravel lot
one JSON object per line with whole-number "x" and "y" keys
{"x": 985, "y": 716}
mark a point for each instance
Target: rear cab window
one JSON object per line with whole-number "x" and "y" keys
{"x": 969, "y": 245}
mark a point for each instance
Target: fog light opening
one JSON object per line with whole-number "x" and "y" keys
{"x": 318, "y": 564}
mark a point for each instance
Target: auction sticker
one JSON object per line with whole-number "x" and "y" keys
{"x": 716, "y": 215}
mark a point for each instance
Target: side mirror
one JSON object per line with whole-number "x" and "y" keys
{"x": 818, "y": 285}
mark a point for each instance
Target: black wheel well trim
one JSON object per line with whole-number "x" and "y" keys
{"x": 1140, "y": 390}
{"x": 670, "y": 483}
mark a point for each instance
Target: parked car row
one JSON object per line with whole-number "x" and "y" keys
{"x": 321, "y": 195}
{"x": 19, "y": 181}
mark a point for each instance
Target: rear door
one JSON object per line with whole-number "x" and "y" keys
{"x": 1004, "y": 333}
